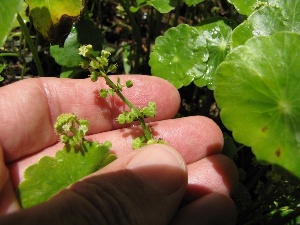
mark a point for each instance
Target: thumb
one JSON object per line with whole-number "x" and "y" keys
{"x": 145, "y": 187}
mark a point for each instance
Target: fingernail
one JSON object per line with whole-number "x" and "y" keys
{"x": 159, "y": 166}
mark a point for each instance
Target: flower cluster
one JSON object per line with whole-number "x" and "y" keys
{"x": 97, "y": 65}
{"x": 71, "y": 130}
{"x": 134, "y": 114}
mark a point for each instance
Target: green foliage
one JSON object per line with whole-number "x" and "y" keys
{"x": 8, "y": 11}
{"x": 68, "y": 55}
{"x": 76, "y": 160}
{"x": 185, "y": 53}
{"x": 163, "y": 6}
{"x": 52, "y": 174}
{"x": 193, "y": 2}
{"x": 247, "y": 7}
{"x": 256, "y": 84}
{"x": 179, "y": 56}
{"x": 218, "y": 40}
{"x": 271, "y": 18}
{"x": 257, "y": 92}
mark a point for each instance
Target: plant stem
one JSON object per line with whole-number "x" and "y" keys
{"x": 9, "y": 54}
{"x": 31, "y": 45}
{"x": 136, "y": 35}
{"x": 145, "y": 128}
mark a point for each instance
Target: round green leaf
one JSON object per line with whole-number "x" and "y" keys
{"x": 179, "y": 56}
{"x": 52, "y": 174}
{"x": 247, "y": 7}
{"x": 8, "y": 12}
{"x": 258, "y": 91}
{"x": 271, "y": 18}
{"x": 54, "y": 19}
{"x": 218, "y": 38}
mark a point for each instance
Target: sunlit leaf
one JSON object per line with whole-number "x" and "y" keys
{"x": 247, "y": 7}
{"x": 179, "y": 56}
{"x": 52, "y": 174}
{"x": 258, "y": 91}
{"x": 8, "y": 13}
{"x": 218, "y": 37}
{"x": 277, "y": 16}
{"x": 54, "y": 19}
{"x": 22, "y": 12}
{"x": 193, "y": 2}
{"x": 163, "y": 6}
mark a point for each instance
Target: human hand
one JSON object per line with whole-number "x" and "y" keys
{"x": 154, "y": 185}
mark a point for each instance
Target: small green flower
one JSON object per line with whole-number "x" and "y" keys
{"x": 105, "y": 53}
{"x": 94, "y": 64}
{"x": 94, "y": 76}
{"x": 70, "y": 129}
{"x": 85, "y": 50}
{"x": 103, "y": 93}
{"x": 129, "y": 83}
{"x": 121, "y": 119}
{"x": 84, "y": 65}
{"x": 112, "y": 68}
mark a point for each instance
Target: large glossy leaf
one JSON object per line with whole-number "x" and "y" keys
{"x": 179, "y": 56}
{"x": 258, "y": 91}
{"x": 54, "y": 19}
{"x": 271, "y": 18}
{"x": 247, "y": 7}
{"x": 8, "y": 12}
{"x": 52, "y": 174}
{"x": 218, "y": 38}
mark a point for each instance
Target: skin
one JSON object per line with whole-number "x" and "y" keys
{"x": 186, "y": 182}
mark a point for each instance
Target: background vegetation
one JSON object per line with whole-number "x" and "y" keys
{"x": 264, "y": 195}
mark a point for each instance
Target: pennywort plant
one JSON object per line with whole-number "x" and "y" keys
{"x": 252, "y": 69}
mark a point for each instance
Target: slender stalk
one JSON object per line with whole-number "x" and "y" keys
{"x": 136, "y": 35}
{"x": 9, "y": 54}
{"x": 175, "y": 22}
{"x": 31, "y": 45}
{"x": 145, "y": 128}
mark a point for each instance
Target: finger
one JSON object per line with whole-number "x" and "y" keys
{"x": 29, "y": 108}
{"x": 215, "y": 173}
{"x": 143, "y": 187}
{"x": 212, "y": 209}
{"x": 194, "y": 138}
{"x": 9, "y": 202}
